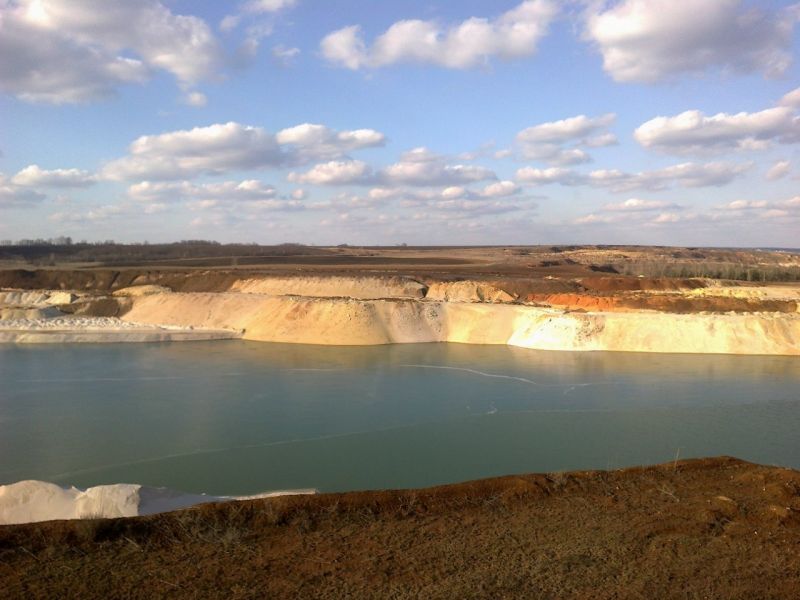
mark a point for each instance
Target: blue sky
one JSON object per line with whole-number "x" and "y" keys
{"x": 635, "y": 121}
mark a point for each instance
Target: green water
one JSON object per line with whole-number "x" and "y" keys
{"x": 235, "y": 417}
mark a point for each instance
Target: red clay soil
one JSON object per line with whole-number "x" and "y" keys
{"x": 712, "y": 528}
{"x": 663, "y": 303}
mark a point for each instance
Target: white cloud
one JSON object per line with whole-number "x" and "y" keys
{"x": 669, "y": 217}
{"x": 744, "y": 205}
{"x": 318, "y": 142}
{"x": 284, "y": 55}
{"x": 471, "y": 43}
{"x": 196, "y": 99}
{"x": 551, "y": 175}
{"x": 224, "y": 200}
{"x": 333, "y": 173}
{"x": 174, "y": 191}
{"x": 546, "y": 141}
{"x": 500, "y": 189}
{"x": 652, "y": 40}
{"x": 684, "y": 174}
{"x": 565, "y": 130}
{"x": 14, "y": 196}
{"x": 35, "y": 176}
{"x": 601, "y": 141}
{"x": 202, "y": 150}
{"x": 231, "y": 146}
{"x": 791, "y": 99}
{"x": 692, "y": 132}
{"x": 593, "y": 219}
{"x": 779, "y": 170}
{"x": 639, "y": 205}
{"x": 421, "y": 167}
{"x": 554, "y": 155}
{"x": 268, "y": 6}
{"x": 67, "y": 51}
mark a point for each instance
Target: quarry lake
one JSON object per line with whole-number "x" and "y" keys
{"x": 234, "y": 417}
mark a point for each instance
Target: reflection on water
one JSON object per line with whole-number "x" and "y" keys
{"x": 235, "y": 417}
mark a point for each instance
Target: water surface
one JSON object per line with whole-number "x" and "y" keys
{"x": 235, "y": 417}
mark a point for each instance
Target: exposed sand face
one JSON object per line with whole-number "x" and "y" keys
{"x": 365, "y": 310}
{"x": 468, "y": 291}
{"x": 356, "y": 322}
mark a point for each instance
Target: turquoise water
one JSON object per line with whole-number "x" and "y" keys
{"x": 234, "y": 417}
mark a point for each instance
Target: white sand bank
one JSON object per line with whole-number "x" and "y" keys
{"x": 67, "y": 329}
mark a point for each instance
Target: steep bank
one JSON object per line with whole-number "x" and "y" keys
{"x": 339, "y": 321}
{"x": 714, "y": 528}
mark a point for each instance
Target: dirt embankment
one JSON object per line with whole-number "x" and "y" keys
{"x": 630, "y": 284}
{"x": 713, "y": 528}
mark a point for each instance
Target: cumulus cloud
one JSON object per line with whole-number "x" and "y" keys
{"x": 684, "y": 174}
{"x": 333, "y": 173}
{"x": 421, "y": 167}
{"x": 15, "y": 196}
{"x": 692, "y": 132}
{"x": 652, "y": 40}
{"x": 640, "y": 205}
{"x": 232, "y": 146}
{"x": 231, "y": 197}
{"x": 744, "y": 205}
{"x": 513, "y": 34}
{"x": 601, "y": 141}
{"x": 68, "y": 51}
{"x": 318, "y": 142}
{"x": 565, "y": 130}
{"x": 548, "y": 142}
{"x": 267, "y": 6}
{"x": 779, "y": 170}
{"x": 202, "y": 150}
{"x": 500, "y": 189}
{"x": 791, "y": 99}
{"x": 551, "y": 175}
{"x": 35, "y": 176}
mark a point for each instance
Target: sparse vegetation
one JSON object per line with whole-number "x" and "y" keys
{"x": 740, "y": 271}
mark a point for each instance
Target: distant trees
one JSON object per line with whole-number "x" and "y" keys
{"x": 740, "y": 271}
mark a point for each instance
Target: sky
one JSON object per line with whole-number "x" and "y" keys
{"x": 417, "y": 122}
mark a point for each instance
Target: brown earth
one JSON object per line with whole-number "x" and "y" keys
{"x": 711, "y": 528}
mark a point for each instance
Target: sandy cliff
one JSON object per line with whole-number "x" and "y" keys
{"x": 338, "y": 321}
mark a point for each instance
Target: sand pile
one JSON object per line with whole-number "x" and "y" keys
{"x": 468, "y": 291}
